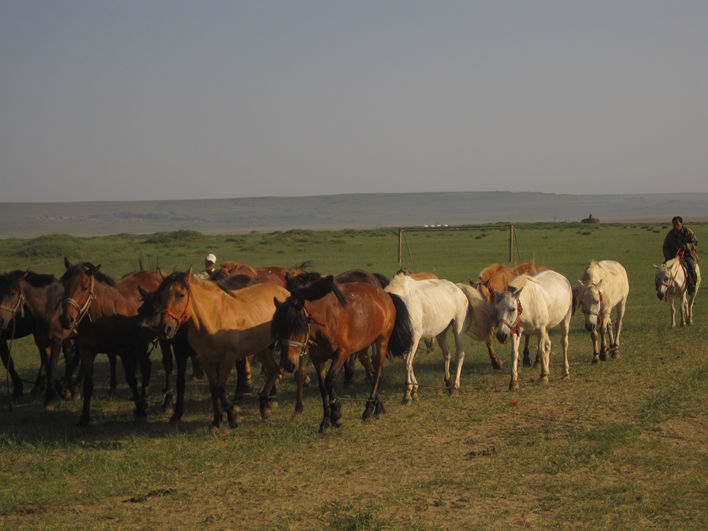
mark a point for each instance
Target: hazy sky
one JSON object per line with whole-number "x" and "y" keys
{"x": 168, "y": 99}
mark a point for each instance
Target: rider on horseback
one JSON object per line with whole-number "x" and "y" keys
{"x": 682, "y": 241}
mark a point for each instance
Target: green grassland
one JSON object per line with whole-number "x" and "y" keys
{"x": 619, "y": 445}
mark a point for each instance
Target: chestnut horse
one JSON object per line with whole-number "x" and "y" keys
{"x": 333, "y": 323}
{"x": 223, "y": 326}
{"x": 104, "y": 314}
{"x": 302, "y": 284}
{"x": 496, "y": 278}
{"x": 268, "y": 274}
{"x": 30, "y": 304}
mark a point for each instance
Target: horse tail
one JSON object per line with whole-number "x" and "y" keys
{"x": 576, "y": 293}
{"x": 402, "y": 336}
{"x": 383, "y": 281}
{"x": 319, "y": 289}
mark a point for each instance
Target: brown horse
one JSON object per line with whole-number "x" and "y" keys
{"x": 104, "y": 314}
{"x": 417, "y": 276}
{"x": 223, "y": 326}
{"x": 227, "y": 269}
{"x": 268, "y": 274}
{"x": 333, "y": 323}
{"x": 30, "y": 304}
{"x": 302, "y": 283}
{"x": 496, "y": 278}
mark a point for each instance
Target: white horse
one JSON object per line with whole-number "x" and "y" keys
{"x": 434, "y": 306}
{"x": 534, "y": 305}
{"x": 671, "y": 284}
{"x": 604, "y": 286}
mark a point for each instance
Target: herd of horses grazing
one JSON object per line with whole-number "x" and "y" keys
{"x": 285, "y": 317}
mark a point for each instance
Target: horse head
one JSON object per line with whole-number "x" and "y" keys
{"x": 508, "y": 308}
{"x": 291, "y": 329}
{"x": 168, "y": 307}
{"x": 11, "y": 297}
{"x": 78, "y": 282}
{"x": 590, "y": 297}
{"x": 665, "y": 280}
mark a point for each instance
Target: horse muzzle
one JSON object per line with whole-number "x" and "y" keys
{"x": 167, "y": 331}
{"x": 502, "y": 336}
{"x": 67, "y": 321}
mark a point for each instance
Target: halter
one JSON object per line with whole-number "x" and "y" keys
{"x": 599, "y": 311}
{"x": 18, "y": 305}
{"x": 85, "y": 309}
{"x": 672, "y": 279}
{"x": 515, "y": 329}
{"x": 304, "y": 345}
{"x": 181, "y": 319}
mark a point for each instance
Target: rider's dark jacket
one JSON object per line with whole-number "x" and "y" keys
{"x": 681, "y": 239}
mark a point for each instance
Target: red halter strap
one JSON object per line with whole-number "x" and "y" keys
{"x": 515, "y": 329}
{"x": 181, "y": 319}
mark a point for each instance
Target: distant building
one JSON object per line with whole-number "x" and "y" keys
{"x": 590, "y": 219}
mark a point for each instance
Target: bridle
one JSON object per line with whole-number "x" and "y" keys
{"x": 672, "y": 285}
{"x": 304, "y": 345}
{"x": 181, "y": 319}
{"x": 85, "y": 309}
{"x": 515, "y": 329}
{"x": 18, "y": 305}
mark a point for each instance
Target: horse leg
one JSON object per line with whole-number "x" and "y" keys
{"x": 514, "y": 381}
{"x": 594, "y": 335}
{"x": 335, "y": 405}
{"x": 544, "y": 344}
{"x": 272, "y": 371}
{"x": 411, "y": 382}
{"x": 373, "y": 404}
{"x": 459, "y": 355}
{"x": 182, "y": 351}
{"x": 496, "y": 362}
{"x": 442, "y": 343}
{"x": 233, "y": 413}
{"x": 50, "y": 391}
{"x": 241, "y": 380}
{"x": 673, "y": 314}
{"x": 197, "y": 371}
{"x": 167, "y": 364}
{"x": 9, "y": 363}
{"x": 87, "y": 359}
{"x": 300, "y": 386}
{"x": 527, "y": 357}
{"x": 40, "y": 380}
{"x": 565, "y": 332}
{"x": 114, "y": 384}
{"x": 620, "y": 318}
{"x": 128, "y": 361}
{"x": 320, "y": 369}
{"x": 349, "y": 370}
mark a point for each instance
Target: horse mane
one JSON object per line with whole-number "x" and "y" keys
{"x": 304, "y": 266}
{"x": 10, "y": 278}
{"x": 383, "y": 280}
{"x": 39, "y": 280}
{"x": 293, "y": 283}
{"x": 289, "y": 318}
{"x": 84, "y": 267}
{"x": 318, "y": 289}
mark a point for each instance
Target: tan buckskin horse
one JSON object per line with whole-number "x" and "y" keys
{"x": 493, "y": 278}
{"x": 223, "y": 326}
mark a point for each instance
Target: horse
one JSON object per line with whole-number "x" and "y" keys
{"x": 671, "y": 284}
{"x": 604, "y": 286}
{"x": 104, "y": 315}
{"x": 496, "y": 278}
{"x": 302, "y": 285}
{"x": 418, "y": 276}
{"x": 233, "y": 268}
{"x": 335, "y": 322}
{"x": 222, "y": 327}
{"x": 31, "y": 302}
{"x": 434, "y": 306}
{"x": 534, "y": 305}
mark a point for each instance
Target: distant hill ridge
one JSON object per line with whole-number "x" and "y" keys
{"x": 337, "y": 211}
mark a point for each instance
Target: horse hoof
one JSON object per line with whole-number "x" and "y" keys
{"x": 543, "y": 379}
{"x": 595, "y": 359}
{"x": 406, "y": 400}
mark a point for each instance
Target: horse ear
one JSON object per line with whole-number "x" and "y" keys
{"x": 145, "y": 294}
{"x": 25, "y": 274}
{"x": 91, "y": 271}
{"x": 497, "y": 293}
{"x": 598, "y": 284}
{"x": 190, "y": 272}
{"x": 162, "y": 273}
{"x": 67, "y": 263}
{"x": 518, "y": 292}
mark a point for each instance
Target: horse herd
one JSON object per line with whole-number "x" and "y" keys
{"x": 286, "y": 316}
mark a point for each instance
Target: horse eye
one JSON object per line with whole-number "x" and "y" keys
{"x": 179, "y": 295}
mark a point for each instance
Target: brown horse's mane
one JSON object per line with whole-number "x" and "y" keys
{"x": 85, "y": 267}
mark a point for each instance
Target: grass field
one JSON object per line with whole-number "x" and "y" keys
{"x": 618, "y": 445}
